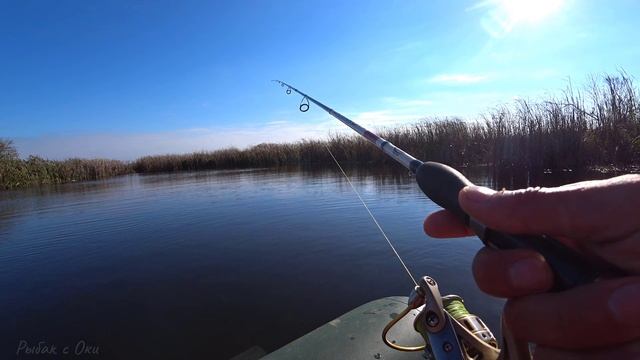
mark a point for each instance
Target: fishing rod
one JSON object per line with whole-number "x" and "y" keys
{"x": 448, "y": 329}
{"x": 445, "y": 324}
{"x": 442, "y": 183}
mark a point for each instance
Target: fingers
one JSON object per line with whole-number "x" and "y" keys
{"x": 600, "y": 209}
{"x": 626, "y": 351}
{"x": 443, "y": 224}
{"x": 601, "y": 314}
{"x": 511, "y": 273}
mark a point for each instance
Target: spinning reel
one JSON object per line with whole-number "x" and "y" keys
{"x": 449, "y": 330}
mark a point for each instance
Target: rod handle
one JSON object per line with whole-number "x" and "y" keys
{"x": 442, "y": 184}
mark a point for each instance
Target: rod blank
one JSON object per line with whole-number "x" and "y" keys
{"x": 387, "y": 147}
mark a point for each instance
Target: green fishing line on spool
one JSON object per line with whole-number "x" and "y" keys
{"x": 455, "y": 307}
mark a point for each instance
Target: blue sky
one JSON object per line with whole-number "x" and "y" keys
{"x": 122, "y": 79}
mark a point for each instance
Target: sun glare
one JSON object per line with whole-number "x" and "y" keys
{"x": 529, "y": 11}
{"x": 502, "y": 16}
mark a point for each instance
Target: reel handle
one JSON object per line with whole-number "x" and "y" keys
{"x": 442, "y": 183}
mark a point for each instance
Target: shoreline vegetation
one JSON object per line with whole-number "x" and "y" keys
{"x": 597, "y": 127}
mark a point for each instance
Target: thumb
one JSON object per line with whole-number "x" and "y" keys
{"x": 601, "y": 209}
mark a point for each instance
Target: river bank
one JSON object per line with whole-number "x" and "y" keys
{"x": 595, "y": 128}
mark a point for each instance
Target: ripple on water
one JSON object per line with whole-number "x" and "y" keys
{"x": 177, "y": 258}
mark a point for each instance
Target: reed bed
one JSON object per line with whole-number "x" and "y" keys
{"x": 598, "y": 126}
{"x": 15, "y": 172}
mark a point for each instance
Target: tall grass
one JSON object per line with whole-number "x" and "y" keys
{"x": 15, "y": 172}
{"x": 599, "y": 126}
{"x": 581, "y": 129}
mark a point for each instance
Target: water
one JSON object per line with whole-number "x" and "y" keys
{"x": 208, "y": 264}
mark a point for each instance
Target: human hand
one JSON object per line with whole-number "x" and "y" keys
{"x": 600, "y": 219}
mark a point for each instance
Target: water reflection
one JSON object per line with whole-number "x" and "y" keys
{"x": 198, "y": 261}
{"x": 507, "y": 178}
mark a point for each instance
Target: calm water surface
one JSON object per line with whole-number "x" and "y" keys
{"x": 205, "y": 265}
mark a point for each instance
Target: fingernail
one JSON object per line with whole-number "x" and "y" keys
{"x": 477, "y": 194}
{"x": 528, "y": 274}
{"x": 624, "y": 304}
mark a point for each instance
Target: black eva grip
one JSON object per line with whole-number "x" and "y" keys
{"x": 442, "y": 184}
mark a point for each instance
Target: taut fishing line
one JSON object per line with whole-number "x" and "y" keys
{"x": 397, "y": 154}
{"x": 372, "y": 217}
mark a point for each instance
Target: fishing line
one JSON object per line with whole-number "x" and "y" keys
{"x": 372, "y": 217}
{"x": 442, "y": 184}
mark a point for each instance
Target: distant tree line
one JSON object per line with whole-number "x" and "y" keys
{"x": 596, "y": 127}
